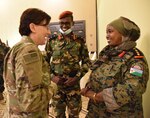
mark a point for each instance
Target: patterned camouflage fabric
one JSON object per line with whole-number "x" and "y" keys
{"x": 27, "y": 78}
{"x": 3, "y": 50}
{"x": 121, "y": 73}
{"x": 67, "y": 53}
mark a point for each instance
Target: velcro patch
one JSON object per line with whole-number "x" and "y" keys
{"x": 31, "y": 57}
{"x": 136, "y": 70}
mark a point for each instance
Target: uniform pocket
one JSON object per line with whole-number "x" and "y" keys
{"x": 111, "y": 69}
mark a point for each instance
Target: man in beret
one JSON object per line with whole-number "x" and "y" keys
{"x": 66, "y": 50}
{"x": 119, "y": 76}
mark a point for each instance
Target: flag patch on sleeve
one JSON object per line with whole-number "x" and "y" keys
{"x": 136, "y": 70}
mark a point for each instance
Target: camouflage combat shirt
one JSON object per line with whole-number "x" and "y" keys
{"x": 121, "y": 73}
{"x": 3, "y": 51}
{"x": 27, "y": 78}
{"x": 68, "y": 55}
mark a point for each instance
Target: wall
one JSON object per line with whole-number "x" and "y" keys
{"x": 136, "y": 10}
{"x": 11, "y": 10}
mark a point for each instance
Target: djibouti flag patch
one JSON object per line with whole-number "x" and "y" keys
{"x": 136, "y": 71}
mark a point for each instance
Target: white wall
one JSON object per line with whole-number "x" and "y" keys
{"x": 11, "y": 10}
{"x": 136, "y": 10}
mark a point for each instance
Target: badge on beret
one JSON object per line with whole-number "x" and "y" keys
{"x": 136, "y": 70}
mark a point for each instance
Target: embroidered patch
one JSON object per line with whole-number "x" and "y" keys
{"x": 136, "y": 70}
{"x": 30, "y": 58}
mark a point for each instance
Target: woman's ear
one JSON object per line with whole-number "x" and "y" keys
{"x": 32, "y": 27}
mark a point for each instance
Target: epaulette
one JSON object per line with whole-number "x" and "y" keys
{"x": 137, "y": 53}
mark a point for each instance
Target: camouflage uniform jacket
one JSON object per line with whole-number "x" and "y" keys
{"x": 121, "y": 74}
{"x": 27, "y": 78}
{"x": 67, "y": 52}
{"x": 3, "y": 50}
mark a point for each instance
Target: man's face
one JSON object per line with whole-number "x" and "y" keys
{"x": 66, "y": 23}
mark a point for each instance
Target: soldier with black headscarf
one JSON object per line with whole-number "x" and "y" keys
{"x": 119, "y": 76}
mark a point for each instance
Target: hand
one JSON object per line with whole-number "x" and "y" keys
{"x": 71, "y": 81}
{"x": 99, "y": 97}
{"x": 84, "y": 90}
{"x": 58, "y": 80}
{"x": 96, "y": 97}
{"x": 89, "y": 94}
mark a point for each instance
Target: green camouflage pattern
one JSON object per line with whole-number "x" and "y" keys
{"x": 27, "y": 78}
{"x": 66, "y": 53}
{"x": 112, "y": 71}
{"x": 73, "y": 101}
{"x": 69, "y": 58}
{"x": 3, "y": 50}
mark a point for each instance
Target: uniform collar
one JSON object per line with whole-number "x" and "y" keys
{"x": 28, "y": 39}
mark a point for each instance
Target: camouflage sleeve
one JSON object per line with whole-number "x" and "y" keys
{"x": 48, "y": 51}
{"x": 109, "y": 99}
{"x": 85, "y": 61}
{"x": 32, "y": 83}
{"x": 131, "y": 89}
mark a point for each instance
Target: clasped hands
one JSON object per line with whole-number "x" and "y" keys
{"x": 70, "y": 81}
{"x": 96, "y": 97}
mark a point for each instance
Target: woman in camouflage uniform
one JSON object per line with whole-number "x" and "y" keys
{"x": 26, "y": 73}
{"x": 119, "y": 76}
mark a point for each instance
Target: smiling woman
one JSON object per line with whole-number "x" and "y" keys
{"x": 27, "y": 87}
{"x": 119, "y": 75}
{"x": 10, "y": 12}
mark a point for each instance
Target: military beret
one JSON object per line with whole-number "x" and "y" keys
{"x": 65, "y": 14}
{"x": 126, "y": 27}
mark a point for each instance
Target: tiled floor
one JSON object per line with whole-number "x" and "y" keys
{"x": 82, "y": 114}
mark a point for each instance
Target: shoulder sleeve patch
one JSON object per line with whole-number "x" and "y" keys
{"x": 31, "y": 57}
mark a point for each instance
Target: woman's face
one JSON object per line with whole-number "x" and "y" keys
{"x": 113, "y": 37}
{"x": 41, "y": 32}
